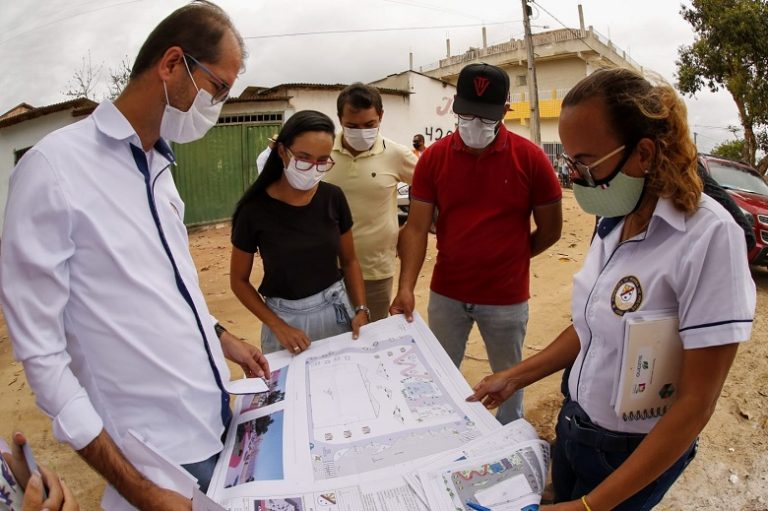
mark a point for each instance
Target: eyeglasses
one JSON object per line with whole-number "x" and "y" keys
{"x": 582, "y": 171}
{"x": 304, "y": 165}
{"x": 466, "y": 117}
{"x": 222, "y": 87}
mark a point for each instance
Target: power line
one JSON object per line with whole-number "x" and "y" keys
{"x": 38, "y": 27}
{"x": 732, "y": 129}
{"x": 432, "y": 8}
{"x": 387, "y": 29}
{"x": 572, "y": 31}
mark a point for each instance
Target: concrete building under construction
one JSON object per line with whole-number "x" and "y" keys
{"x": 562, "y": 58}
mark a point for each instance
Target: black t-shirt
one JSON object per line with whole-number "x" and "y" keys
{"x": 299, "y": 245}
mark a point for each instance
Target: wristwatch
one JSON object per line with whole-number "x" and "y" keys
{"x": 363, "y": 308}
{"x": 219, "y": 330}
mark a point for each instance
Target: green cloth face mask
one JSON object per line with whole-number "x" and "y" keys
{"x": 617, "y": 197}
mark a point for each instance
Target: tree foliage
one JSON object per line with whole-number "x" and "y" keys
{"x": 730, "y": 51}
{"x": 732, "y": 150}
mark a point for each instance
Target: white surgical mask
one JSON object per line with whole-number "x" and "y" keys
{"x": 183, "y": 127}
{"x": 360, "y": 139}
{"x": 475, "y": 133}
{"x": 302, "y": 179}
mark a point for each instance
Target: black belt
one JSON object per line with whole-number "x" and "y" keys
{"x": 578, "y": 427}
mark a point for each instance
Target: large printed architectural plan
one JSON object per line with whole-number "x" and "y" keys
{"x": 345, "y": 422}
{"x": 376, "y": 406}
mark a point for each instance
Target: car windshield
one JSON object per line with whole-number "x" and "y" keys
{"x": 735, "y": 178}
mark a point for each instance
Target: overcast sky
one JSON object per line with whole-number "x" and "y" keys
{"x": 42, "y": 42}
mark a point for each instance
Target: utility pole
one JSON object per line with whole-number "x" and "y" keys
{"x": 533, "y": 89}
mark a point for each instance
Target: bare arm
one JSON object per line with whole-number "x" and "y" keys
{"x": 411, "y": 247}
{"x": 250, "y": 358}
{"x": 353, "y": 278}
{"x": 498, "y": 387}
{"x": 703, "y": 375}
{"x": 240, "y": 266}
{"x": 105, "y": 457}
{"x": 549, "y": 225}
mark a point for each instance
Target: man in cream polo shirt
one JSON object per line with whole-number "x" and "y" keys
{"x": 368, "y": 168}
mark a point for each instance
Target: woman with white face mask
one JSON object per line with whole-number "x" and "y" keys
{"x": 662, "y": 249}
{"x": 301, "y": 227}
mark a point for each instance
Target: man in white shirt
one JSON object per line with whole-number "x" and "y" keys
{"x": 263, "y": 156}
{"x": 99, "y": 289}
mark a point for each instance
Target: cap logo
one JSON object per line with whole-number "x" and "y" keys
{"x": 481, "y": 84}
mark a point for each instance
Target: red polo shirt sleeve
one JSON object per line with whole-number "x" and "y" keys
{"x": 546, "y": 188}
{"x": 423, "y": 186}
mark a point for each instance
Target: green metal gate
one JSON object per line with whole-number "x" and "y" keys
{"x": 212, "y": 173}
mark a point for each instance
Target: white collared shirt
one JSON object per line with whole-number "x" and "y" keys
{"x": 90, "y": 298}
{"x": 693, "y": 264}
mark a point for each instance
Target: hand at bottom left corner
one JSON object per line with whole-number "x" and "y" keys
{"x": 57, "y": 497}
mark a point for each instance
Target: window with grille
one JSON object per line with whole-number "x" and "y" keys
{"x": 267, "y": 117}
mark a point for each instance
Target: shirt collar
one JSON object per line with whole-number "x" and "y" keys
{"x": 112, "y": 123}
{"x": 378, "y": 146}
{"x": 665, "y": 210}
{"x": 499, "y": 143}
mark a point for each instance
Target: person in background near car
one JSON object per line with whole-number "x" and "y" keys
{"x": 562, "y": 172}
{"x": 487, "y": 183}
{"x": 261, "y": 159}
{"x": 662, "y": 246}
{"x": 368, "y": 169}
{"x": 301, "y": 228}
{"x": 418, "y": 144}
{"x": 99, "y": 290}
{"x": 21, "y": 490}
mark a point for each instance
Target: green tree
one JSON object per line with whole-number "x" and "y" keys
{"x": 732, "y": 149}
{"x": 730, "y": 51}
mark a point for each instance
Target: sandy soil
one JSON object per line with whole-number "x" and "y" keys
{"x": 730, "y": 471}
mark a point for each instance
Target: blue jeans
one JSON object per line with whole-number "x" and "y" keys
{"x": 203, "y": 471}
{"x": 320, "y": 315}
{"x": 585, "y": 454}
{"x": 502, "y": 328}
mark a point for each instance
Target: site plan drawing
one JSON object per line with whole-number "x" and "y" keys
{"x": 345, "y": 421}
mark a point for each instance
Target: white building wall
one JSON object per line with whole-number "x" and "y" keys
{"x": 23, "y": 135}
{"x": 429, "y": 112}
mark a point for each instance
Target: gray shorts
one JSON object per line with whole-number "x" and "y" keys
{"x": 320, "y": 315}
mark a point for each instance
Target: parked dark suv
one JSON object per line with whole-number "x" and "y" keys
{"x": 750, "y": 192}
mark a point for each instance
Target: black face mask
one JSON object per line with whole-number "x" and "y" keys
{"x": 416, "y": 145}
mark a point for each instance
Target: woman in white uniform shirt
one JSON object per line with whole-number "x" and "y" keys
{"x": 661, "y": 245}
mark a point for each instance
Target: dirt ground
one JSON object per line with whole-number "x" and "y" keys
{"x": 730, "y": 471}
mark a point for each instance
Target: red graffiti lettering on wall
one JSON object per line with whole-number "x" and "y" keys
{"x": 445, "y": 108}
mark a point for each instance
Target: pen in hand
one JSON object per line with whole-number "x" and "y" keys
{"x": 478, "y": 507}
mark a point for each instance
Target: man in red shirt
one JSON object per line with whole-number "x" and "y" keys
{"x": 486, "y": 182}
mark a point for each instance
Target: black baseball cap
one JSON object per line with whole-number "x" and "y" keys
{"x": 482, "y": 90}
